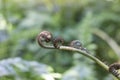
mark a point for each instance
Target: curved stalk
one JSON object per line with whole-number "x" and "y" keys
{"x": 104, "y": 66}
{"x": 108, "y": 40}
{"x": 75, "y": 46}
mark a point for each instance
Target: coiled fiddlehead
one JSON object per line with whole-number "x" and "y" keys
{"x": 113, "y": 68}
{"x": 77, "y": 44}
{"x": 47, "y": 37}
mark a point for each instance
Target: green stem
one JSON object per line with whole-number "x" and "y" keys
{"x": 110, "y": 41}
{"x": 87, "y": 55}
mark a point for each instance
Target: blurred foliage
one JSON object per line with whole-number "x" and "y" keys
{"x": 22, "y": 20}
{"x": 24, "y": 70}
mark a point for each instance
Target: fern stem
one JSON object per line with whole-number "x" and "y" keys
{"x": 87, "y": 55}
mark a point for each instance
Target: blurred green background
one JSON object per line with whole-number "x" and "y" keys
{"x": 93, "y": 22}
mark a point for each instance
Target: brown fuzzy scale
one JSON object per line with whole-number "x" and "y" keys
{"x": 113, "y": 69}
{"x": 57, "y": 41}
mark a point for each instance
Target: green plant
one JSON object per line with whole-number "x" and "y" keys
{"x": 19, "y": 69}
{"x": 46, "y": 37}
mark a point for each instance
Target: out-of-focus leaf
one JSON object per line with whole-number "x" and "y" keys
{"x": 16, "y": 67}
